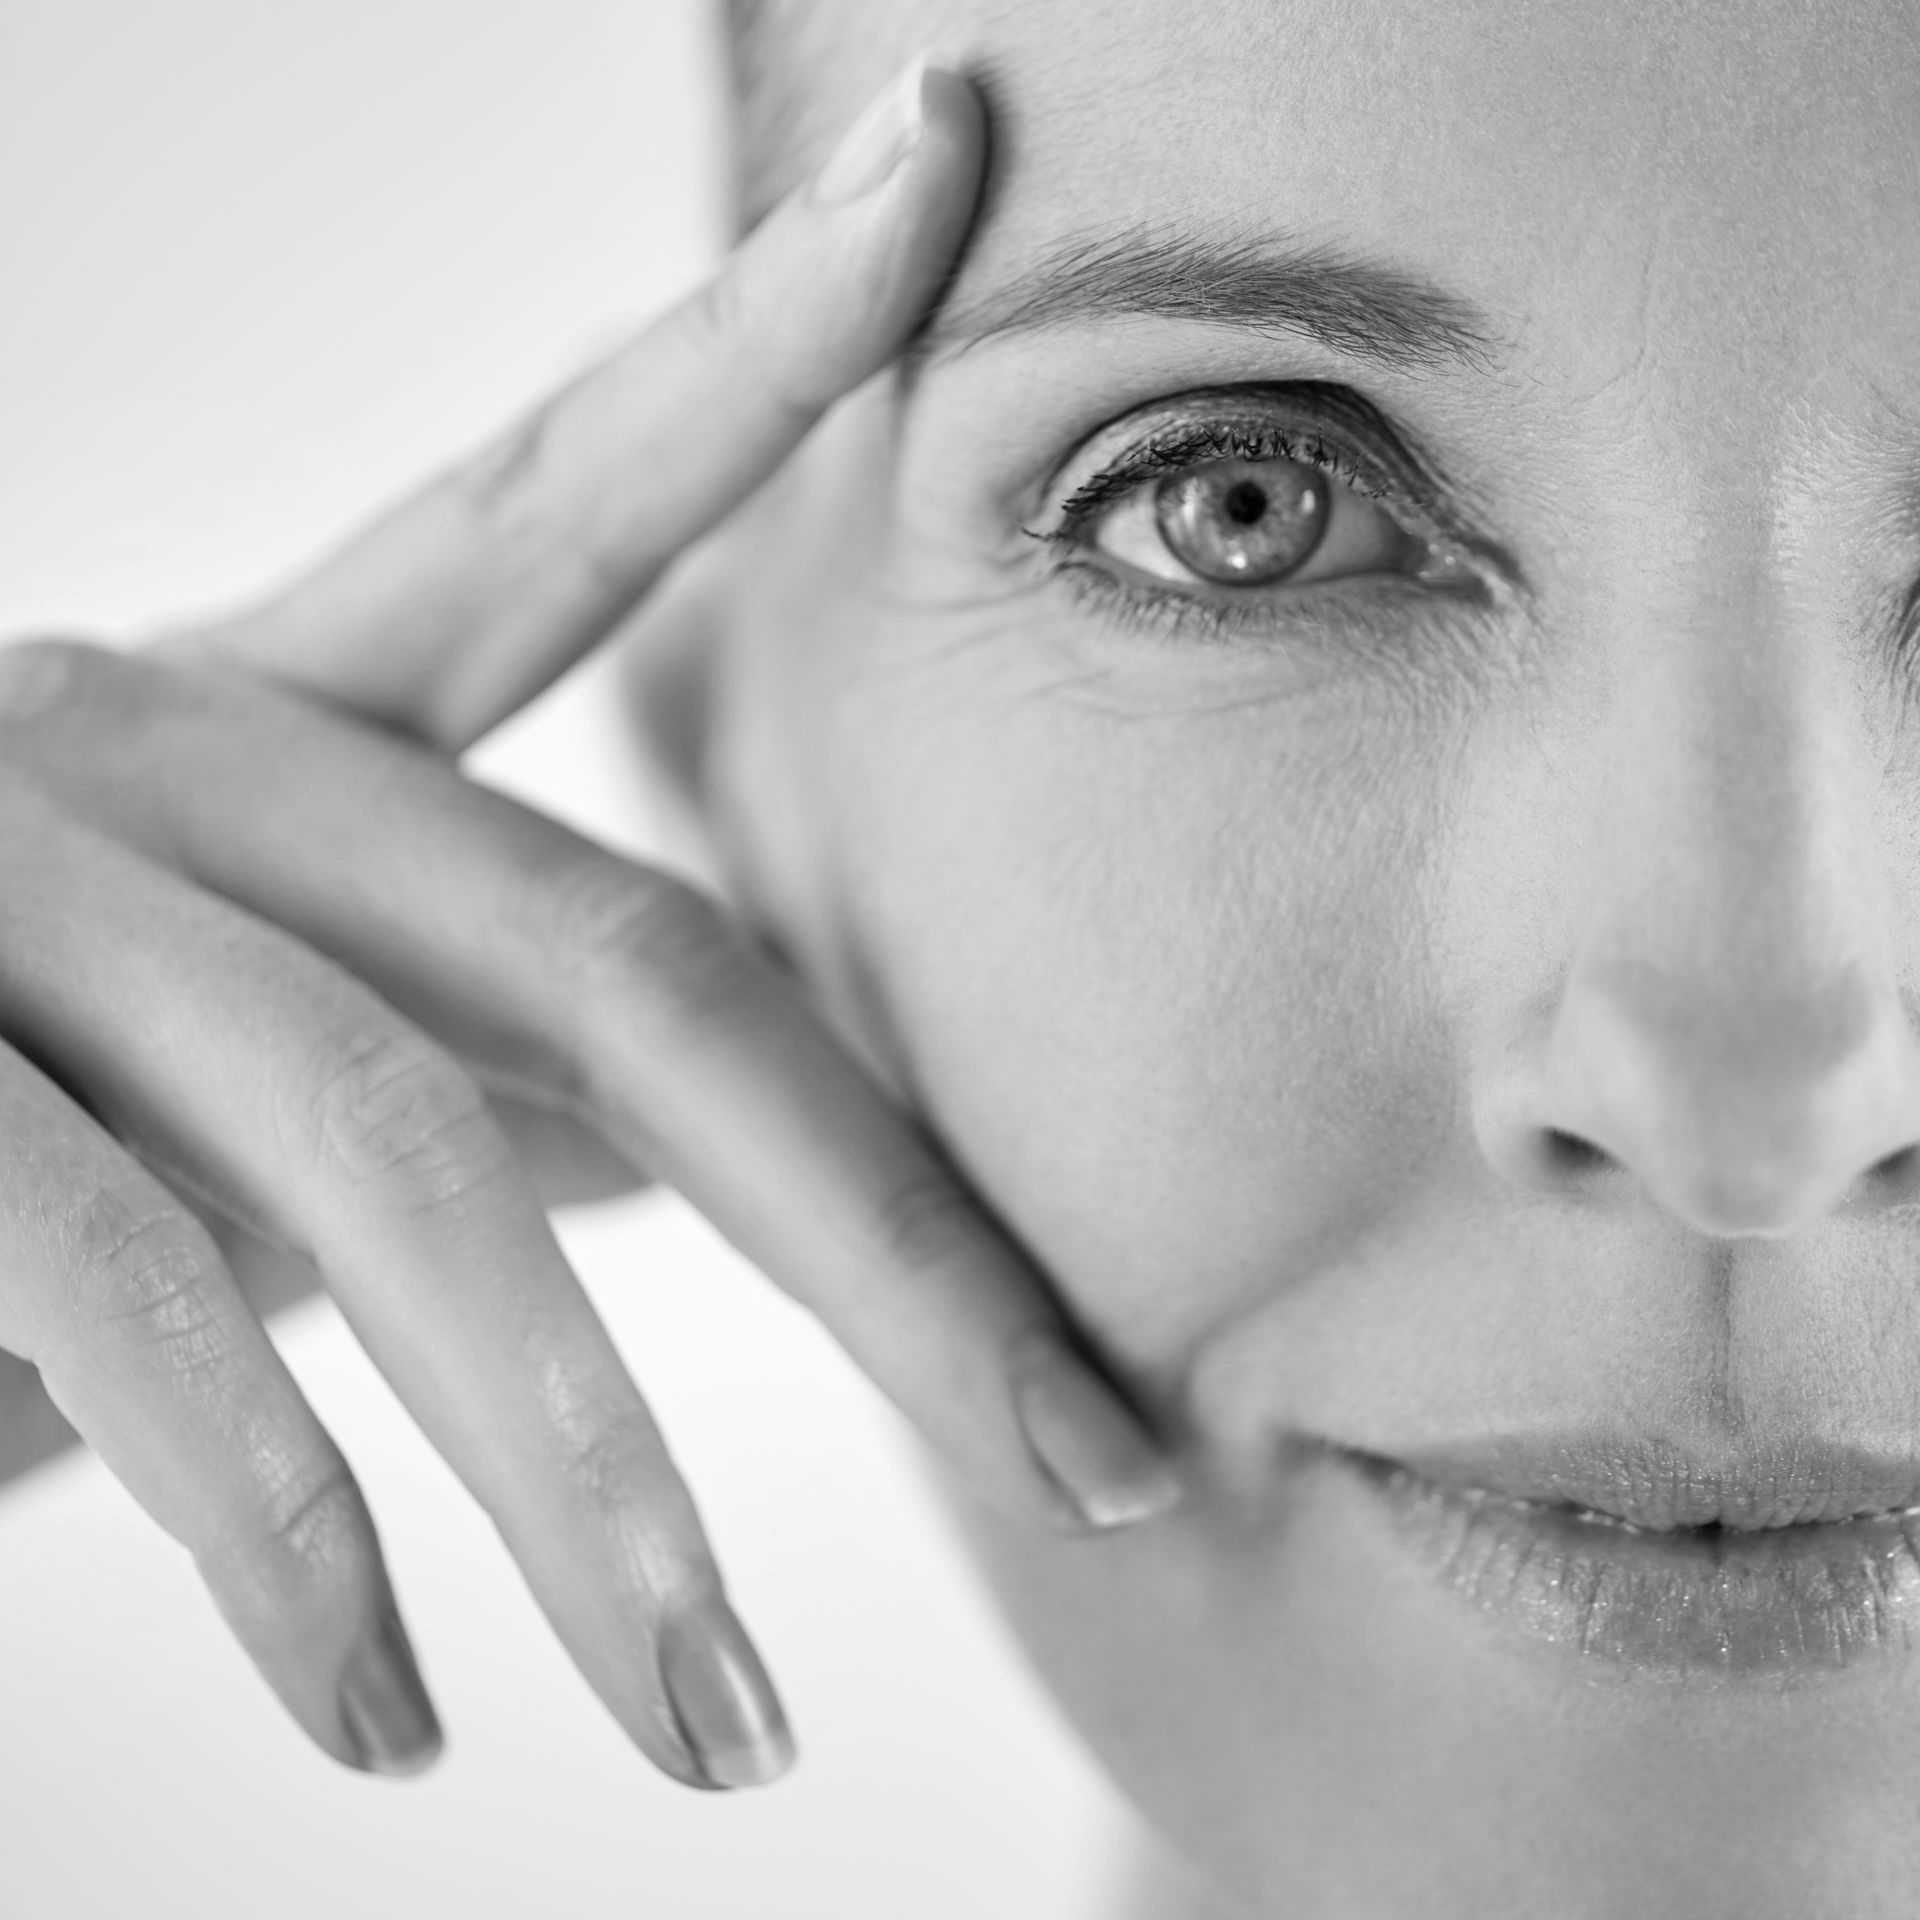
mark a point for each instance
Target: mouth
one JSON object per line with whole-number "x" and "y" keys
{"x": 1652, "y": 1560}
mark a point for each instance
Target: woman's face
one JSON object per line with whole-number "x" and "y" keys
{"x": 1343, "y": 730}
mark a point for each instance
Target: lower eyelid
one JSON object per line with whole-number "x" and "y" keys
{"x": 1390, "y": 639}
{"x": 1372, "y": 614}
{"x": 1282, "y": 603}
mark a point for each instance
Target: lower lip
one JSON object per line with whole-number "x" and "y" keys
{"x": 1778, "y": 1600}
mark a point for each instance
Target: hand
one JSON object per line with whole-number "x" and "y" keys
{"x": 258, "y": 953}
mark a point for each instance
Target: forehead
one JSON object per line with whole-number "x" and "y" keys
{"x": 1733, "y": 189}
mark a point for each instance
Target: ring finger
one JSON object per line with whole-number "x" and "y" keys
{"x": 295, "y": 1097}
{"x": 119, "y": 1297}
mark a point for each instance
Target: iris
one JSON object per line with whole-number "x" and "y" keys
{"x": 1243, "y": 522}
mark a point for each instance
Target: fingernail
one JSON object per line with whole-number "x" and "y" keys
{"x": 728, "y": 1714}
{"x": 873, "y": 148}
{"x": 384, "y": 1707}
{"x": 1091, "y": 1446}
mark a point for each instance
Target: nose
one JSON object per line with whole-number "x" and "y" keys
{"x": 1743, "y": 1099}
{"x": 1728, "y": 1036}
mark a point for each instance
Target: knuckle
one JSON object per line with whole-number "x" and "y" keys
{"x": 500, "y": 487}
{"x": 718, "y": 313}
{"x": 316, "y": 1519}
{"x": 926, "y": 1223}
{"x": 616, "y": 1468}
{"x": 513, "y": 495}
{"x": 305, "y": 1533}
{"x": 643, "y": 938}
{"x": 42, "y": 677}
{"x": 723, "y": 323}
{"x": 383, "y": 1107}
{"x": 146, "y": 1271}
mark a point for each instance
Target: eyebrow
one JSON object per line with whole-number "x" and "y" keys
{"x": 1366, "y": 309}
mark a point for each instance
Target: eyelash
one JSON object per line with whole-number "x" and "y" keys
{"x": 1136, "y": 605}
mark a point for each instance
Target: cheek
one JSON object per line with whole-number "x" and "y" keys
{"x": 1150, "y": 952}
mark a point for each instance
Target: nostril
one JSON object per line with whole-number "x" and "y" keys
{"x": 1545, "y": 1159}
{"x": 1901, "y": 1168}
{"x": 1569, "y": 1156}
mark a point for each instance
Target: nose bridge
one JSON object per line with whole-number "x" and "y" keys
{"x": 1730, "y": 864}
{"x": 1730, "y": 1028}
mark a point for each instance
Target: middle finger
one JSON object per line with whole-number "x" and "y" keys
{"x": 525, "y": 945}
{"x": 267, "y": 1079}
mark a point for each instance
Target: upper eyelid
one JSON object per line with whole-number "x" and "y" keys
{"x": 1157, "y": 457}
{"x": 1314, "y": 412}
{"x": 1155, "y": 461}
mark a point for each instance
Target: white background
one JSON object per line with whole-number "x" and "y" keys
{"x": 260, "y": 266}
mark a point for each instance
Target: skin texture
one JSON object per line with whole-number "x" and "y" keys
{"x": 275, "y": 977}
{"x": 1259, "y": 983}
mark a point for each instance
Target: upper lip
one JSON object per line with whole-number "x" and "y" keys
{"x": 1662, "y": 1485}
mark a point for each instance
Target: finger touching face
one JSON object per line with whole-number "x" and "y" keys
{"x": 1341, "y": 725}
{"x": 453, "y": 609}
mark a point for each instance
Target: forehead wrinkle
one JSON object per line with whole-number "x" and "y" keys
{"x": 1269, "y": 284}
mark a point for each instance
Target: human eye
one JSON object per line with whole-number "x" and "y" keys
{"x": 1234, "y": 509}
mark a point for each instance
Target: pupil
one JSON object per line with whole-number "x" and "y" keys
{"x": 1245, "y": 502}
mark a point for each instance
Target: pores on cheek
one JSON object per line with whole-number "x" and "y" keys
{"x": 1150, "y": 940}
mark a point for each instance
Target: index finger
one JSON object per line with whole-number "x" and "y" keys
{"x": 459, "y": 606}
